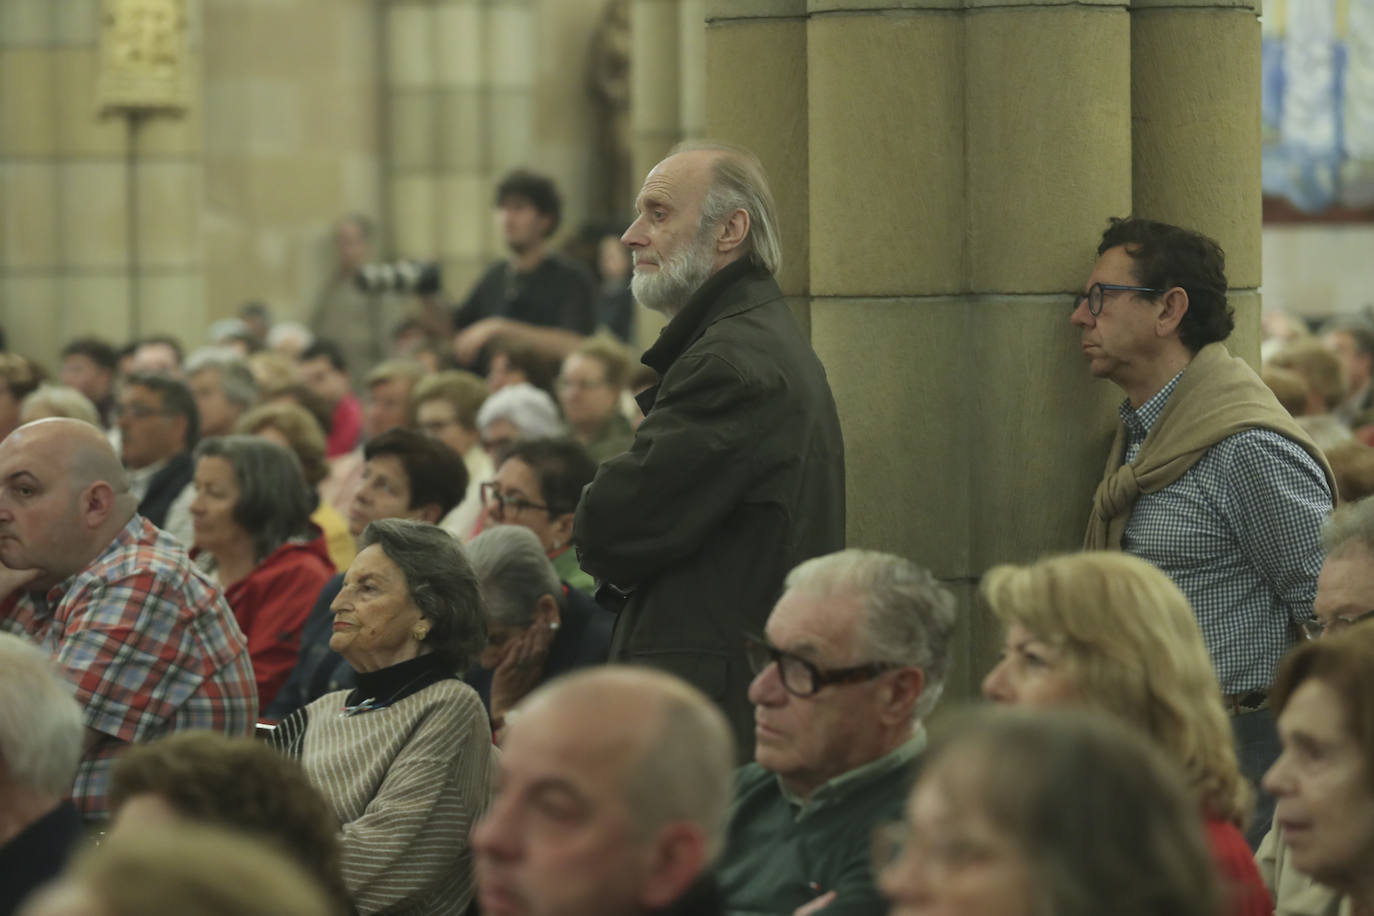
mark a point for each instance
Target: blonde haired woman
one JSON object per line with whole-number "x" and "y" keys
{"x": 1109, "y": 631}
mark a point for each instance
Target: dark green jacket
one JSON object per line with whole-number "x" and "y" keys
{"x": 782, "y": 852}
{"x": 735, "y": 476}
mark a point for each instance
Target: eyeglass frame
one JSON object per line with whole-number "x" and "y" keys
{"x": 1315, "y": 629}
{"x": 514, "y": 505}
{"x": 820, "y": 677}
{"x": 1102, "y": 289}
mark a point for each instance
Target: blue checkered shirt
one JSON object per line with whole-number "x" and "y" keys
{"x": 1239, "y": 533}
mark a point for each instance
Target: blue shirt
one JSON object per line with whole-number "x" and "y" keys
{"x": 1239, "y": 534}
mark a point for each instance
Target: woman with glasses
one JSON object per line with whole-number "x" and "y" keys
{"x": 1036, "y": 813}
{"x": 1109, "y": 631}
{"x": 537, "y": 486}
{"x": 589, "y": 389}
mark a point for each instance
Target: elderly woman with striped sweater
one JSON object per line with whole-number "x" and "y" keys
{"x": 405, "y": 757}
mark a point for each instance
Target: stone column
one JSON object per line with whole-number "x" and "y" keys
{"x": 68, "y": 188}
{"x": 655, "y": 94}
{"x": 1195, "y": 98}
{"x": 959, "y": 165}
{"x": 759, "y": 48}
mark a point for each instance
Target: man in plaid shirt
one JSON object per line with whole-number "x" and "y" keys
{"x": 148, "y": 643}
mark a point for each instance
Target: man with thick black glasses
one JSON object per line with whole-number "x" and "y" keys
{"x": 1209, "y": 478}
{"x": 852, "y": 660}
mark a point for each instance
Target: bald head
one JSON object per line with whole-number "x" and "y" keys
{"x": 63, "y": 496}
{"x": 80, "y": 449}
{"x": 671, "y": 747}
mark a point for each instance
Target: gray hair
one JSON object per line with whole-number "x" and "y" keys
{"x": 290, "y": 332}
{"x": 41, "y": 726}
{"x": 235, "y": 378}
{"x": 738, "y": 182}
{"x": 440, "y": 582}
{"x": 514, "y": 573}
{"x": 1352, "y": 523}
{"x": 908, "y": 615}
{"x": 274, "y": 503}
{"x": 527, "y": 408}
{"x": 58, "y": 401}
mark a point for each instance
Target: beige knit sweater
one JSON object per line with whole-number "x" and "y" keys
{"x": 407, "y": 782}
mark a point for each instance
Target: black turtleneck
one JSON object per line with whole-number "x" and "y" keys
{"x": 389, "y": 685}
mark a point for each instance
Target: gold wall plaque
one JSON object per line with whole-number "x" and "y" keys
{"x": 143, "y": 56}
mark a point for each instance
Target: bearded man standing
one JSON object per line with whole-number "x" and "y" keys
{"x": 736, "y": 474}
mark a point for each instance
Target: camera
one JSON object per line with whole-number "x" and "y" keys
{"x": 421, "y": 278}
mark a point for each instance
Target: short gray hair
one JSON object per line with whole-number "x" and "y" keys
{"x": 58, "y": 401}
{"x": 527, "y": 408}
{"x": 440, "y": 582}
{"x": 235, "y": 378}
{"x": 514, "y": 573}
{"x": 275, "y": 502}
{"x": 908, "y": 615}
{"x": 41, "y": 725}
{"x": 738, "y": 182}
{"x": 1352, "y": 523}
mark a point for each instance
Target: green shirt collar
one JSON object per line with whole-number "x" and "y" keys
{"x": 836, "y": 789}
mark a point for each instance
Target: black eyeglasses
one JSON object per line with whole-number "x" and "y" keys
{"x": 509, "y": 502}
{"x": 801, "y": 678}
{"x": 1316, "y": 629}
{"x": 1096, "y": 294}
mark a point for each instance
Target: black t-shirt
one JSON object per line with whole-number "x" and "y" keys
{"x": 559, "y": 293}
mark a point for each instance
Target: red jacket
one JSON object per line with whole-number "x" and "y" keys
{"x": 271, "y": 604}
{"x": 1242, "y": 885}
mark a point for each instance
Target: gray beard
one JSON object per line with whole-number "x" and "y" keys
{"x": 667, "y": 289}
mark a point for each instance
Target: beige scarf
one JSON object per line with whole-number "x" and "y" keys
{"x": 1219, "y": 395}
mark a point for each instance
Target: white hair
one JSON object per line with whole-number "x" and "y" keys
{"x": 529, "y": 409}
{"x": 514, "y": 573}
{"x": 57, "y": 401}
{"x": 41, "y": 727}
{"x": 908, "y": 615}
{"x": 290, "y": 332}
{"x": 235, "y": 378}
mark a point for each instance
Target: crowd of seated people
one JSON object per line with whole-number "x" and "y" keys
{"x": 291, "y": 633}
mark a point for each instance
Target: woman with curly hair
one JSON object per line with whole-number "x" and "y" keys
{"x": 1109, "y": 631}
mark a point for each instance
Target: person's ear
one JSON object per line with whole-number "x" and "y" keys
{"x": 733, "y": 231}
{"x": 562, "y": 529}
{"x": 677, "y": 860}
{"x": 1174, "y": 305}
{"x": 546, "y": 611}
{"x": 96, "y": 503}
{"x": 899, "y": 695}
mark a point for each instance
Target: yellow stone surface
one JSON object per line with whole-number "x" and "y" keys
{"x": 27, "y": 97}
{"x": 96, "y": 303}
{"x": 29, "y": 192}
{"x": 413, "y": 216}
{"x": 459, "y": 30}
{"x": 1049, "y": 142}
{"x": 94, "y": 213}
{"x": 32, "y": 315}
{"x": 887, "y": 206}
{"x": 1196, "y": 108}
{"x": 770, "y": 59}
{"x": 410, "y": 129}
{"x": 169, "y": 214}
{"x": 410, "y": 44}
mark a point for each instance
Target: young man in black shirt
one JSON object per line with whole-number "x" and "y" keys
{"x": 535, "y": 296}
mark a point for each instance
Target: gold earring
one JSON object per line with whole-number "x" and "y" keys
{"x": 420, "y": 633}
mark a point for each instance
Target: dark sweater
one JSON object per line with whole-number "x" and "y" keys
{"x": 781, "y": 853}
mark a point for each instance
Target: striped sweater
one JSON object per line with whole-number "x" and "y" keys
{"x": 407, "y": 782}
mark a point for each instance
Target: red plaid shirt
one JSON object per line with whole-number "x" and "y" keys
{"x": 150, "y": 646}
